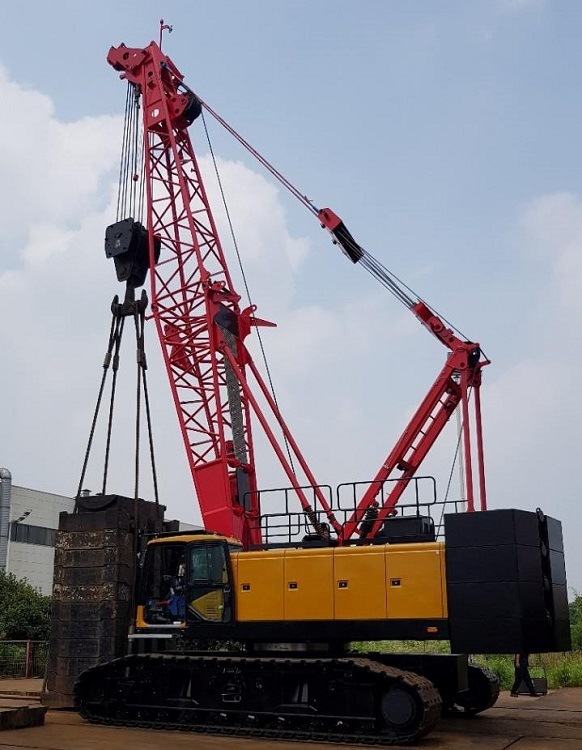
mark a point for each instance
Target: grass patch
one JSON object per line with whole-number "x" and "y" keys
{"x": 403, "y": 647}
{"x": 560, "y": 670}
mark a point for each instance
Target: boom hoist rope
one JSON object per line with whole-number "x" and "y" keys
{"x": 369, "y": 515}
{"x": 355, "y": 252}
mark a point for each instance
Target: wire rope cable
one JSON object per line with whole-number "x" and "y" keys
{"x": 120, "y": 324}
{"x": 106, "y": 365}
{"x": 403, "y": 293}
{"x": 454, "y": 461}
{"x": 245, "y": 282}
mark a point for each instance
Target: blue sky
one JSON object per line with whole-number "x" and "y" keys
{"x": 445, "y": 134}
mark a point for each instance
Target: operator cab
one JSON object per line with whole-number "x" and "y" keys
{"x": 186, "y": 580}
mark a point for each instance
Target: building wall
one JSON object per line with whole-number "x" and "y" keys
{"x": 34, "y": 515}
{"x": 34, "y": 508}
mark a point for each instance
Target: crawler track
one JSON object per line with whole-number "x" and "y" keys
{"x": 344, "y": 700}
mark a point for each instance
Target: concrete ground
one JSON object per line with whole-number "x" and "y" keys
{"x": 552, "y": 721}
{"x": 20, "y": 686}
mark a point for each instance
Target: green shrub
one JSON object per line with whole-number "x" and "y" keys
{"x": 563, "y": 670}
{"x": 576, "y": 630}
{"x": 24, "y": 613}
{"x": 501, "y": 664}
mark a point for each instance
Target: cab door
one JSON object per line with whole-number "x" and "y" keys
{"x": 208, "y": 587}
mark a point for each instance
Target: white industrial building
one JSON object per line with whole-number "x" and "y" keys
{"x": 29, "y": 520}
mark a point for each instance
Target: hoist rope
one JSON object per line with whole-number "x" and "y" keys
{"x": 134, "y": 176}
{"x": 131, "y": 182}
{"x": 142, "y": 370}
{"x": 106, "y": 364}
{"x": 115, "y": 369}
{"x": 122, "y": 182}
{"x": 244, "y": 278}
{"x": 111, "y": 363}
{"x": 389, "y": 280}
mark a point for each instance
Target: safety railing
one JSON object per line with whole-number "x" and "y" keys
{"x": 23, "y": 658}
{"x": 284, "y": 523}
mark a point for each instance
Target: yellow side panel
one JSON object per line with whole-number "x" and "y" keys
{"x": 258, "y": 585}
{"x": 414, "y": 580}
{"x": 210, "y": 607}
{"x": 360, "y": 583}
{"x": 309, "y": 584}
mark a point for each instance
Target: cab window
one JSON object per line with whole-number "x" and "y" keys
{"x": 208, "y": 593}
{"x": 163, "y": 593}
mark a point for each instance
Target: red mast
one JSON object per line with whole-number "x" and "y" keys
{"x": 200, "y": 323}
{"x": 194, "y": 305}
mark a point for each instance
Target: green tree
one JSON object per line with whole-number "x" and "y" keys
{"x": 24, "y": 613}
{"x": 576, "y": 622}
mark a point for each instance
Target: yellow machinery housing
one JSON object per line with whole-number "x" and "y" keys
{"x": 396, "y": 590}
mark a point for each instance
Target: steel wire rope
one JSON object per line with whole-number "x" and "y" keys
{"x": 133, "y": 208}
{"x": 126, "y": 154}
{"x": 106, "y": 364}
{"x": 142, "y": 178}
{"x": 121, "y": 179}
{"x": 136, "y": 457}
{"x": 116, "y": 328}
{"x": 127, "y": 201}
{"x": 115, "y": 371}
{"x": 141, "y": 381}
{"x": 395, "y": 284}
{"x": 142, "y": 367}
{"x": 455, "y": 457}
{"x": 244, "y": 278}
{"x": 388, "y": 279}
{"x": 261, "y": 159}
{"x": 137, "y": 441}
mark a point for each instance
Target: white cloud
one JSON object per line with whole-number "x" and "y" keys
{"x": 61, "y": 284}
{"x": 553, "y": 226}
{"x": 55, "y": 172}
{"x": 56, "y": 199}
{"x": 270, "y": 254}
{"x": 348, "y": 374}
{"x": 532, "y": 407}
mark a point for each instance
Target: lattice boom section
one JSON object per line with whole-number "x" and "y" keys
{"x": 191, "y": 259}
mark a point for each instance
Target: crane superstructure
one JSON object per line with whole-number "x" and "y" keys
{"x": 202, "y": 330}
{"x": 279, "y": 618}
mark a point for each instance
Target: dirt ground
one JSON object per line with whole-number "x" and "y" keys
{"x": 553, "y": 721}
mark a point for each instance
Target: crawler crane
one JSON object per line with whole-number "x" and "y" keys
{"x": 285, "y": 594}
